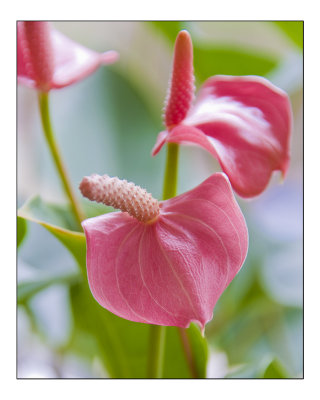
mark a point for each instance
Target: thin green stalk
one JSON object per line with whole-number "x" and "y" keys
{"x": 171, "y": 171}
{"x": 157, "y": 332}
{"x": 156, "y": 351}
{"x": 188, "y": 353}
{"x": 49, "y": 135}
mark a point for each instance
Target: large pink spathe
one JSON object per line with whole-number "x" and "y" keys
{"x": 244, "y": 122}
{"x": 173, "y": 270}
{"x": 47, "y": 60}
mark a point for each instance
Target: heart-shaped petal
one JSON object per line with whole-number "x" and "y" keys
{"x": 243, "y": 121}
{"x": 171, "y": 271}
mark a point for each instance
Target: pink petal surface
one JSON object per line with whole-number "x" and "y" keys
{"x": 245, "y": 123}
{"x": 74, "y": 62}
{"x": 183, "y": 134}
{"x": 170, "y": 272}
{"x": 71, "y": 61}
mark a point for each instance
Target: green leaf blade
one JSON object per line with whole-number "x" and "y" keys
{"x": 21, "y": 230}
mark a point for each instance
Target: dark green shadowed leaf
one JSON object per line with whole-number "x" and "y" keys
{"x": 121, "y": 345}
{"x": 21, "y": 230}
{"x": 293, "y": 29}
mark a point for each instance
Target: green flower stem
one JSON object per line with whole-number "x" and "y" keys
{"x": 157, "y": 332}
{"x": 49, "y": 135}
{"x": 171, "y": 172}
{"x": 188, "y": 353}
{"x": 156, "y": 351}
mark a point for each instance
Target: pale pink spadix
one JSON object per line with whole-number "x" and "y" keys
{"x": 121, "y": 194}
{"x": 243, "y": 121}
{"x": 171, "y": 266}
{"x": 47, "y": 60}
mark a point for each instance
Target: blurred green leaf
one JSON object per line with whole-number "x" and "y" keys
{"x": 253, "y": 326}
{"x": 274, "y": 370}
{"x": 200, "y": 348}
{"x": 59, "y": 222}
{"x": 121, "y": 345}
{"x": 29, "y": 288}
{"x": 175, "y": 363}
{"x": 216, "y": 59}
{"x": 21, "y": 230}
{"x": 293, "y": 29}
{"x": 227, "y": 60}
{"x": 52, "y": 214}
{"x": 170, "y": 28}
{"x": 135, "y": 125}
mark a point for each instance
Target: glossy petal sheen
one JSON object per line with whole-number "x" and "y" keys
{"x": 244, "y": 122}
{"x": 70, "y": 61}
{"x": 170, "y": 272}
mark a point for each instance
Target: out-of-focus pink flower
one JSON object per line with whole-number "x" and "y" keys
{"x": 47, "y": 60}
{"x": 163, "y": 263}
{"x": 244, "y": 122}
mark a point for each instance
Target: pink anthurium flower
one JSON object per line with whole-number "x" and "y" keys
{"x": 49, "y": 60}
{"x": 244, "y": 121}
{"x": 163, "y": 263}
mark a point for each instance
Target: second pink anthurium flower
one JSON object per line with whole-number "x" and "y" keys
{"x": 163, "y": 263}
{"x": 47, "y": 60}
{"x": 243, "y": 121}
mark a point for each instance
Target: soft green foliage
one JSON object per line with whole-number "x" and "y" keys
{"x": 121, "y": 345}
{"x": 213, "y": 59}
{"x": 218, "y": 60}
{"x": 21, "y": 230}
{"x": 250, "y": 326}
{"x": 58, "y": 221}
{"x": 275, "y": 371}
{"x": 294, "y": 30}
{"x": 134, "y": 130}
{"x": 30, "y": 287}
